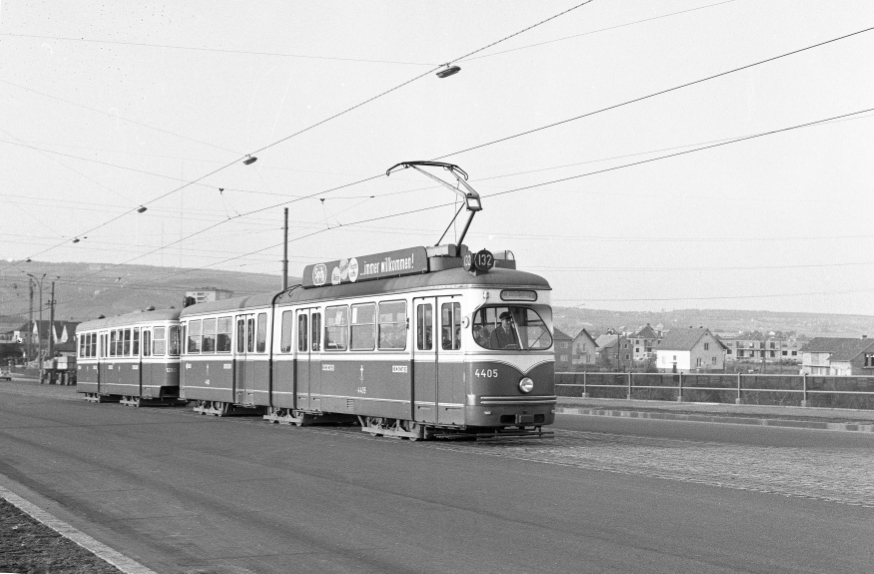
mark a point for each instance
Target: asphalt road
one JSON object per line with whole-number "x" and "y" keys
{"x": 185, "y": 493}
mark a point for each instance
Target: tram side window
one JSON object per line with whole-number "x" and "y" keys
{"x": 147, "y": 343}
{"x": 223, "y": 335}
{"x": 113, "y": 338}
{"x": 393, "y": 325}
{"x": 82, "y": 351}
{"x": 241, "y": 334}
{"x": 336, "y": 323}
{"x": 126, "y": 346}
{"x": 450, "y": 321}
{"x": 194, "y": 336}
{"x": 285, "y": 337}
{"x": 363, "y": 325}
{"x": 135, "y": 346}
{"x": 302, "y": 331}
{"x": 262, "y": 333}
{"x": 316, "y": 330}
{"x": 250, "y": 334}
{"x": 103, "y": 344}
{"x": 209, "y": 335}
{"x": 159, "y": 344}
{"x": 173, "y": 341}
{"x": 424, "y": 327}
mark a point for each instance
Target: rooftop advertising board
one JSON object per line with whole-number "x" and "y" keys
{"x": 408, "y": 261}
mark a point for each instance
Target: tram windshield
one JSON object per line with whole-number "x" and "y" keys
{"x": 510, "y": 327}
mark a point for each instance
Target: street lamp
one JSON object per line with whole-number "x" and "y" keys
{"x": 38, "y": 337}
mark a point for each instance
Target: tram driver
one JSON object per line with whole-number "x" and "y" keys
{"x": 504, "y": 335}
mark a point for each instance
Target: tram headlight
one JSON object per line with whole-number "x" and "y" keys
{"x": 526, "y": 385}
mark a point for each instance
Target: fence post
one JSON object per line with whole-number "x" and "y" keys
{"x": 585, "y": 392}
{"x": 629, "y": 386}
{"x": 804, "y": 401}
{"x": 680, "y": 389}
{"x": 738, "y": 401}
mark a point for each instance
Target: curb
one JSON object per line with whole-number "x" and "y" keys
{"x": 737, "y": 420}
{"x": 120, "y": 561}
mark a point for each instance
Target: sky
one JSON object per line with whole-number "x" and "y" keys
{"x": 109, "y": 107}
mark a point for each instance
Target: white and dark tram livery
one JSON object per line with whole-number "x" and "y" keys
{"x": 403, "y": 342}
{"x": 132, "y": 358}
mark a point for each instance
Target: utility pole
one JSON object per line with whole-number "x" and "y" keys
{"x": 30, "y": 332}
{"x": 52, "y": 334}
{"x": 285, "y": 254}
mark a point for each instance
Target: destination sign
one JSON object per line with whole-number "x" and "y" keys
{"x": 377, "y": 266}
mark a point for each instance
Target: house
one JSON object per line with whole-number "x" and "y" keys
{"x": 684, "y": 350}
{"x": 838, "y": 356}
{"x": 562, "y": 345}
{"x": 644, "y": 342}
{"x": 614, "y": 350}
{"x": 757, "y": 347}
{"x": 584, "y": 349}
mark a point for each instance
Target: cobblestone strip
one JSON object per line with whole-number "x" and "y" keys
{"x": 843, "y": 477}
{"x": 120, "y": 561}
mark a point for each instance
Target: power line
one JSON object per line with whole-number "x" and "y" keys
{"x": 653, "y": 94}
{"x": 105, "y": 113}
{"x": 599, "y": 30}
{"x": 337, "y": 115}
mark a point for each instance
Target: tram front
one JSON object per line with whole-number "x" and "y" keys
{"x": 510, "y": 372}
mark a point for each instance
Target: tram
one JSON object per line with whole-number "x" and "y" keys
{"x": 406, "y": 343}
{"x": 131, "y": 358}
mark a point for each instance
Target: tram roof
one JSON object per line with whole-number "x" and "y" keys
{"x": 135, "y": 318}
{"x": 496, "y": 278}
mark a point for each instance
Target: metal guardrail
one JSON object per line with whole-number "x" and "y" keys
{"x": 801, "y": 390}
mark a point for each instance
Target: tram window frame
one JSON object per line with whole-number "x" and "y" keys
{"x": 337, "y": 330}
{"x": 135, "y": 342}
{"x": 194, "y": 337}
{"x": 173, "y": 341}
{"x": 208, "y": 336}
{"x": 302, "y": 332}
{"x": 450, "y": 335}
{"x": 81, "y": 347}
{"x": 147, "y": 342}
{"x": 424, "y": 327}
{"x": 490, "y": 317}
{"x": 363, "y": 332}
{"x": 392, "y": 333}
{"x": 126, "y": 342}
{"x": 261, "y": 334}
{"x": 285, "y": 331}
{"x": 104, "y": 344}
{"x": 224, "y": 334}
{"x": 316, "y": 331}
{"x": 241, "y": 334}
{"x": 113, "y": 337}
{"x": 159, "y": 341}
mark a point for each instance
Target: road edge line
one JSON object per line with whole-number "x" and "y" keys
{"x": 102, "y": 551}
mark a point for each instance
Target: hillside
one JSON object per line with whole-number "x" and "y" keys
{"x": 571, "y": 320}
{"x": 86, "y": 290}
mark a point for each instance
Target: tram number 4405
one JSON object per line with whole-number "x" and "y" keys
{"x": 362, "y": 390}
{"x": 488, "y": 373}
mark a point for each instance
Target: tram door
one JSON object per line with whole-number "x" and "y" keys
{"x": 244, "y": 373}
{"x": 425, "y": 372}
{"x": 308, "y": 366}
{"x": 102, "y": 354}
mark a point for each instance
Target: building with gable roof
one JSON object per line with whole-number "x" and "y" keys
{"x": 685, "y": 350}
{"x": 838, "y": 356}
{"x": 614, "y": 350}
{"x": 562, "y": 345}
{"x": 584, "y": 349}
{"x": 644, "y": 342}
